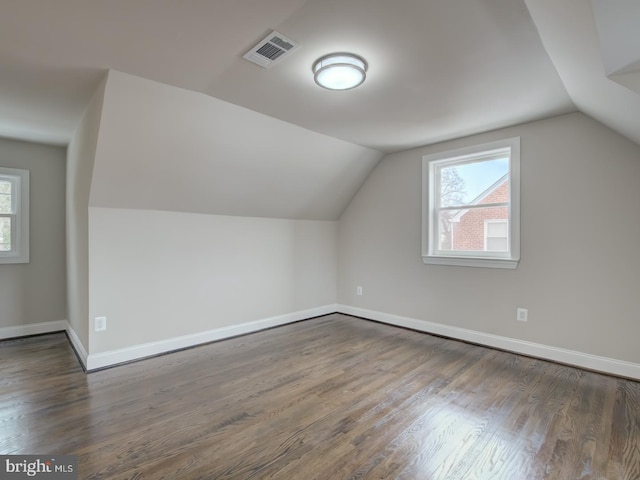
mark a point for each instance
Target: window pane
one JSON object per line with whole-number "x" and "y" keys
{"x": 452, "y": 187}
{"x": 5, "y": 234}
{"x": 5, "y": 196}
{"x": 463, "y": 230}
{"x": 445, "y": 229}
{"x": 5, "y": 186}
{"x": 474, "y": 183}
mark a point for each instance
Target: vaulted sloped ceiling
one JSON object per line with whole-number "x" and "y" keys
{"x": 595, "y": 46}
{"x": 619, "y": 41}
{"x": 166, "y": 148}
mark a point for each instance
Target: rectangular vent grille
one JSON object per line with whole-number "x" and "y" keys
{"x": 272, "y": 49}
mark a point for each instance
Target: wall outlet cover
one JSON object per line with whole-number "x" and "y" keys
{"x": 100, "y": 324}
{"x": 522, "y": 314}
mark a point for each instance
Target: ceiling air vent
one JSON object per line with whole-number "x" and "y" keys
{"x": 272, "y": 49}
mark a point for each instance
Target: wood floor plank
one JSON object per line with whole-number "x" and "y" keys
{"x": 330, "y": 398}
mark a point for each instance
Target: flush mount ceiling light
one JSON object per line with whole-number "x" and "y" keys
{"x": 340, "y": 71}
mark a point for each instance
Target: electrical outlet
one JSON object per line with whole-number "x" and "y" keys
{"x": 358, "y": 290}
{"x": 522, "y": 314}
{"x": 100, "y": 324}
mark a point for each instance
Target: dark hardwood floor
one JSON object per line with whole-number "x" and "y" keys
{"x": 331, "y": 398}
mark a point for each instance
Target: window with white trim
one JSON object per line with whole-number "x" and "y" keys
{"x": 14, "y": 215}
{"x": 471, "y": 206}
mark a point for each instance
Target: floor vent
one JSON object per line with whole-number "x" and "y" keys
{"x": 272, "y": 49}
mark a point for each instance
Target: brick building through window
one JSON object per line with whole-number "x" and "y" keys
{"x": 483, "y": 229}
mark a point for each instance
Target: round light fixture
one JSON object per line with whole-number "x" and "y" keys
{"x": 340, "y": 71}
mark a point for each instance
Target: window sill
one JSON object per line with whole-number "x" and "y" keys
{"x": 13, "y": 259}
{"x": 508, "y": 263}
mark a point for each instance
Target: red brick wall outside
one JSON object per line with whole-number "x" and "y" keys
{"x": 468, "y": 233}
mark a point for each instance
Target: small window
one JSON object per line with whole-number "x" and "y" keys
{"x": 14, "y": 215}
{"x": 496, "y": 235}
{"x": 471, "y": 206}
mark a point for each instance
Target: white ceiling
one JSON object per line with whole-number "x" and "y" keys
{"x": 439, "y": 69}
{"x": 167, "y": 148}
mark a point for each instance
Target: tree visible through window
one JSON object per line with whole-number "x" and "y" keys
{"x": 452, "y": 192}
{"x": 471, "y": 206}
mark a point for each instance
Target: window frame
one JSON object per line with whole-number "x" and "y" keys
{"x": 430, "y": 253}
{"x": 19, "y": 252}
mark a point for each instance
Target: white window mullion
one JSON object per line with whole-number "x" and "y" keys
{"x": 481, "y": 205}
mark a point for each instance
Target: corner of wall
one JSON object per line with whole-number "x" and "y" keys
{"x": 81, "y": 154}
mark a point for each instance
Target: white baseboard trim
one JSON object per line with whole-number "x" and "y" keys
{"x": 32, "y": 329}
{"x": 546, "y": 352}
{"x": 77, "y": 345}
{"x": 136, "y": 352}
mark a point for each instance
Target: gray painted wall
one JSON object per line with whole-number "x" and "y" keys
{"x": 580, "y": 264}
{"x": 37, "y": 292}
